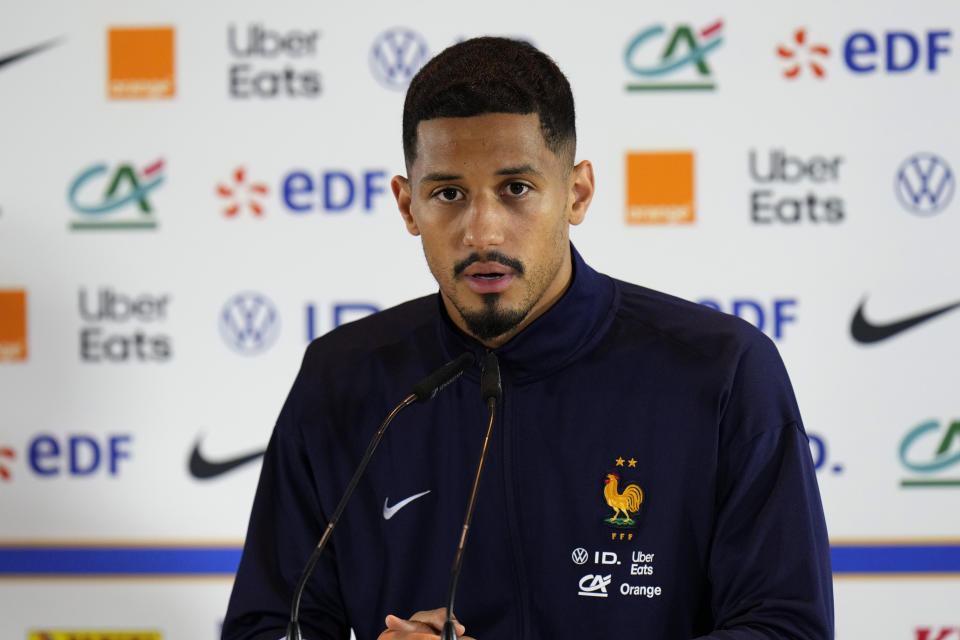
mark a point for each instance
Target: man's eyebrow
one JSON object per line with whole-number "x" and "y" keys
{"x": 506, "y": 171}
{"x": 523, "y": 168}
{"x": 440, "y": 177}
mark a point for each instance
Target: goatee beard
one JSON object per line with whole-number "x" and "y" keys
{"x": 492, "y": 321}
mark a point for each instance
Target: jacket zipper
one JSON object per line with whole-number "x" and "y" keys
{"x": 513, "y": 524}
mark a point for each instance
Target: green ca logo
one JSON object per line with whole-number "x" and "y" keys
{"x": 930, "y": 448}
{"x": 686, "y": 48}
{"x": 123, "y": 204}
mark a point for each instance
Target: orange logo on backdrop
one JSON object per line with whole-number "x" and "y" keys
{"x": 141, "y": 64}
{"x": 13, "y": 325}
{"x": 660, "y": 188}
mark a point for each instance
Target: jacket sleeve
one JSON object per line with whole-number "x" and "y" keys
{"x": 769, "y": 566}
{"x": 285, "y": 524}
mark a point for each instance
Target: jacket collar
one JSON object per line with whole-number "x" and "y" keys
{"x": 558, "y": 337}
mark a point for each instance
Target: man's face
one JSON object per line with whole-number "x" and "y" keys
{"x": 492, "y": 205}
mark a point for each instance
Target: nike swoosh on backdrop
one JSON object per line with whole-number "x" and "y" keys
{"x": 204, "y": 469}
{"x": 19, "y": 55}
{"x": 389, "y": 512}
{"x": 867, "y": 332}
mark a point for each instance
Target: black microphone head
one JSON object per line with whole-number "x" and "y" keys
{"x": 429, "y": 386}
{"x": 490, "y": 382}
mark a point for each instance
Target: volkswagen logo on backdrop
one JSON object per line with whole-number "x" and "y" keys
{"x": 925, "y": 184}
{"x": 396, "y": 56}
{"x": 249, "y": 323}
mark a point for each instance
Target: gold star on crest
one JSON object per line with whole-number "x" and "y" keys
{"x": 632, "y": 462}
{"x": 619, "y": 462}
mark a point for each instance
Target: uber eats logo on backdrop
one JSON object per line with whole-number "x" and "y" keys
{"x": 271, "y": 63}
{"x": 795, "y": 189}
{"x": 120, "y": 327}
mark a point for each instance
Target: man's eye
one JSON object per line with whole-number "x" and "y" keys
{"x": 448, "y": 194}
{"x": 517, "y": 188}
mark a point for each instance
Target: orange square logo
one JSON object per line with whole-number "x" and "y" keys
{"x": 660, "y": 188}
{"x": 13, "y": 325}
{"x": 141, "y": 63}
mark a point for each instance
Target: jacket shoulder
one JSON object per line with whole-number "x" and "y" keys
{"x": 688, "y": 325}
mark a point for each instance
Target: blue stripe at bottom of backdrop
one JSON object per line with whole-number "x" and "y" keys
{"x": 39, "y": 561}
{"x": 120, "y": 561}
{"x": 918, "y": 558}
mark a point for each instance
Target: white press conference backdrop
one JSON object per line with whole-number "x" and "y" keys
{"x": 190, "y": 192}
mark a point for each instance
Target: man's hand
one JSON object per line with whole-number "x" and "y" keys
{"x": 423, "y": 625}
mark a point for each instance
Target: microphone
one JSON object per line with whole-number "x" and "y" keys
{"x": 427, "y": 388}
{"x": 422, "y": 391}
{"x": 491, "y": 392}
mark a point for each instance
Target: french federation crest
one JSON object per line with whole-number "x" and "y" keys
{"x": 624, "y": 498}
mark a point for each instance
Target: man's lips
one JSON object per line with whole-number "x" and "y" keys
{"x": 488, "y": 277}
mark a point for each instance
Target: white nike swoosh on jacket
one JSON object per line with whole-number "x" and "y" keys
{"x": 389, "y": 512}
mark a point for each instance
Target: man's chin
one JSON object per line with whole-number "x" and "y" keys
{"x": 492, "y": 322}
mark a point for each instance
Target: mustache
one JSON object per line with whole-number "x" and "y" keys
{"x": 490, "y": 256}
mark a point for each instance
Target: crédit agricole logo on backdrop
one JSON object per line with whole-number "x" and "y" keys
{"x": 930, "y": 453}
{"x": 673, "y": 58}
{"x": 115, "y": 196}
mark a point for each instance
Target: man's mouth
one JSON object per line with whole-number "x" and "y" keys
{"x": 488, "y": 277}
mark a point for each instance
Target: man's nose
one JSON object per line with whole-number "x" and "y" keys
{"x": 484, "y": 223}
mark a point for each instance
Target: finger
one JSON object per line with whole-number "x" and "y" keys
{"x": 435, "y": 618}
{"x": 395, "y": 623}
{"x": 403, "y": 635}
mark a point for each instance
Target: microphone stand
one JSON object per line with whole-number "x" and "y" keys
{"x": 491, "y": 392}
{"x": 422, "y": 391}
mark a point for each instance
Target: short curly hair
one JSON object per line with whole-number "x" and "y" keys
{"x": 492, "y": 75}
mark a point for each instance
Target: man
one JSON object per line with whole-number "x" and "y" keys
{"x": 649, "y": 476}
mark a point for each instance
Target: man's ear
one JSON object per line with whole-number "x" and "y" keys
{"x": 401, "y": 191}
{"x": 581, "y": 191}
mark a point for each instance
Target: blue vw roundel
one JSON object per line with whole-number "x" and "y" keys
{"x": 396, "y": 56}
{"x": 249, "y": 323}
{"x": 925, "y": 184}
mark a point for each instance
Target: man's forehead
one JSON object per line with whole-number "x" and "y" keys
{"x": 493, "y": 139}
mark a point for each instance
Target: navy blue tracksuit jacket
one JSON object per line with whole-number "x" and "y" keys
{"x": 648, "y": 478}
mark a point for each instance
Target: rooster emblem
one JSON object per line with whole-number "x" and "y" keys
{"x": 626, "y": 503}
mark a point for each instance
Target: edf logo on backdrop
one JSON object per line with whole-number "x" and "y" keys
{"x": 301, "y": 192}
{"x": 863, "y": 52}
{"x": 770, "y": 316}
{"x": 76, "y": 455}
